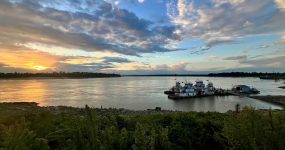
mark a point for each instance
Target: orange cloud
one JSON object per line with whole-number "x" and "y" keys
{"x": 28, "y": 59}
{"x": 280, "y": 4}
{"x": 83, "y": 60}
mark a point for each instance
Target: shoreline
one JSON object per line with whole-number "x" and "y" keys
{"x": 105, "y": 110}
{"x": 50, "y": 78}
{"x": 274, "y": 99}
{"x": 102, "y": 110}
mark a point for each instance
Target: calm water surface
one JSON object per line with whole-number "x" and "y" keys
{"x": 137, "y": 93}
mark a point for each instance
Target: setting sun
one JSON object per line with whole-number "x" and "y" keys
{"x": 39, "y": 68}
{"x": 25, "y": 60}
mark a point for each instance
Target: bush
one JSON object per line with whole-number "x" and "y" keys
{"x": 37, "y": 128}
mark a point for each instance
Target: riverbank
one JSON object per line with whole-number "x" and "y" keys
{"x": 57, "y": 75}
{"x": 28, "y": 126}
{"x": 278, "y": 100}
{"x": 23, "y": 106}
{"x": 271, "y": 76}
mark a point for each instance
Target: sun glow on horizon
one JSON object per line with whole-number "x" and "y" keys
{"x": 39, "y": 68}
{"x": 26, "y": 60}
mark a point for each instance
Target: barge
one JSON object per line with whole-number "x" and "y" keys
{"x": 190, "y": 90}
{"x": 199, "y": 89}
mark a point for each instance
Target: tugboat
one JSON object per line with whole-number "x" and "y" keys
{"x": 174, "y": 89}
{"x": 200, "y": 87}
{"x": 189, "y": 90}
{"x": 210, "y": 89}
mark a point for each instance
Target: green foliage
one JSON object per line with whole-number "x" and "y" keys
{"x": 88, "y": 129}
{"x": 19, "y": 137}
{"x": 253, "y": 129}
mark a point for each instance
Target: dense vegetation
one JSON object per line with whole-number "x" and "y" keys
{"x": 100, "y": 75}
{"x": 57, "y": 75}
{"x": 249, "y": 74}
{"x": 230, "y": 74}
{"x": 70, "y": 128}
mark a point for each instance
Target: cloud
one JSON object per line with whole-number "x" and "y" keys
{"x": 239, "y": 58}
{"x": 224, "y": 21}
{"x": 176, "y": 68}
{"x": 270, "y": 64}
{"x": 116, "y": 60}
{"x": 213, "y": 57}
{"x": 94, "y": 64}
{"x": 224, "y": 2}
{"x": 3, "y": 65}
{"x": 266, "y": 62}
{"x": 92, "y": 67}
{"x": 264, "y": 46}
{"x": 199, "y": 50}
{"x": 80, "y": 26}
{"x": 218, "y": 41}
{"x": 140, "y": 1}
{"x": 142, "y": 68}
{"x": 280, "y": 4}
{"x": 181, "y": 66}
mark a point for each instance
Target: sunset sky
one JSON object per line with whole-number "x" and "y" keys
{"x": 142, "y": 36}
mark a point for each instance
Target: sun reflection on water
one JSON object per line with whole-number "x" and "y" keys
{"x": 26, "y": 91}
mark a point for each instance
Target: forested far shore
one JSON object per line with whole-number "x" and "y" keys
{"x": 261, "y": 75}
{"x": 249, "y": 74}
{"x": 57, "y": 75}
{"x": 102, "y": 75}
{"x": 27, "y": 126}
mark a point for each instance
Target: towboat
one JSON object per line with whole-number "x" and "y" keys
{"x": 174, "y": 89}
{"x": 190, "y": 90}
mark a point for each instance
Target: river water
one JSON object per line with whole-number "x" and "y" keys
{"x": 136, "y": 93}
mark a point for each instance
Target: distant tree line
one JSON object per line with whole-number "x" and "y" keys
{"x": 167, "y": 75}
{"x": 249, "y": 74}
{"x": 57, "y": 75}
{"x": 227, "y": 74}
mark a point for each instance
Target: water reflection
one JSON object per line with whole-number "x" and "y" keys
{"x": 137, "y": 93}
{"x": 23, "y": 91}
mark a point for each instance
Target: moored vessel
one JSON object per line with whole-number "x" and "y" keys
{"x": 190, "y": 90}
{"x": 244, "y": 89}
